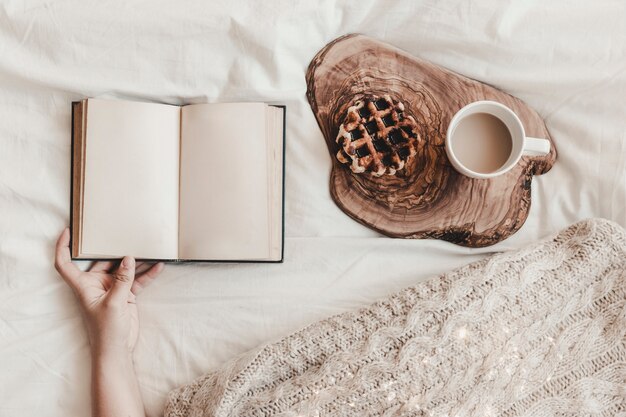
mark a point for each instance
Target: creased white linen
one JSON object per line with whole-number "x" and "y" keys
{"x": 566, "y": 59}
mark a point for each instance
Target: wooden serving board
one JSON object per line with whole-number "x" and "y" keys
{"x": 428, "y": 199}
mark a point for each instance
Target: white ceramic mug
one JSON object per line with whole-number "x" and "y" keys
{"x": 521, "y": 144}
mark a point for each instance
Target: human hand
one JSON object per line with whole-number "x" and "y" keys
{"x": 106, "y": 294}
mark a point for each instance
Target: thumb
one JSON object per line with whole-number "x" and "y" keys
{"x": 123, "y": 279}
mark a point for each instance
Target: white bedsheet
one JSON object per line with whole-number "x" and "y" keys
{"x": 567, "y": 59}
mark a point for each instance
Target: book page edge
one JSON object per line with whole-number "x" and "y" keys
{"x": 79, "y": 118}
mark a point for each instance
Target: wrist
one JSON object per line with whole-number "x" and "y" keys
{"x": 115, "y": 390}
{"x": 112, "y": 354}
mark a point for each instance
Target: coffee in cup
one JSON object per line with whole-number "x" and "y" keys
{"x": 486, "y": 139}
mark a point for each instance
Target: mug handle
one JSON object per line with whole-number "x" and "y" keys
{"x": 536, "y": 146}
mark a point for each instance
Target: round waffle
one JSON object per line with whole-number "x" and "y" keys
{"x": 376, "y": 136}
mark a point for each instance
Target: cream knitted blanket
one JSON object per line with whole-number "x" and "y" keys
{"x": 535, "y": 332}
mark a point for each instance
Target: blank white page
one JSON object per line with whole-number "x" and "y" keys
{"x": 224, "y": 195}
{"x": 130, "y": 204}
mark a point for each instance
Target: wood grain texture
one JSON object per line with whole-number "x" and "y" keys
{"x": 428, "y": 199}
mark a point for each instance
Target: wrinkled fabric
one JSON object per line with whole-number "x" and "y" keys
{"x": 565, "y": 59}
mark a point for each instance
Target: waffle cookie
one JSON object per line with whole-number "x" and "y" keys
{"x": 376, "y": 136}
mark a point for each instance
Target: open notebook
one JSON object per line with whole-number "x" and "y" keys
{"x": 201, "y": 182}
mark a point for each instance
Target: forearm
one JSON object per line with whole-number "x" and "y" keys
{"x": 115, "y": 391}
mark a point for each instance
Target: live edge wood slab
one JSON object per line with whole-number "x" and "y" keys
{"x": 428, "y": 199}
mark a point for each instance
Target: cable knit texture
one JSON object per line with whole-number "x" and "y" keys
{"x": 534, "y": 332}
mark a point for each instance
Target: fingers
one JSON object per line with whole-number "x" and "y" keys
{"x": 101, "y": 266}
{"x": 142, "y": 267}
{"x": 63, "y": 260}
{"x": 123, "y": 276}
{"x": 106, "y": 266}
{"x": 146, "y": 278}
